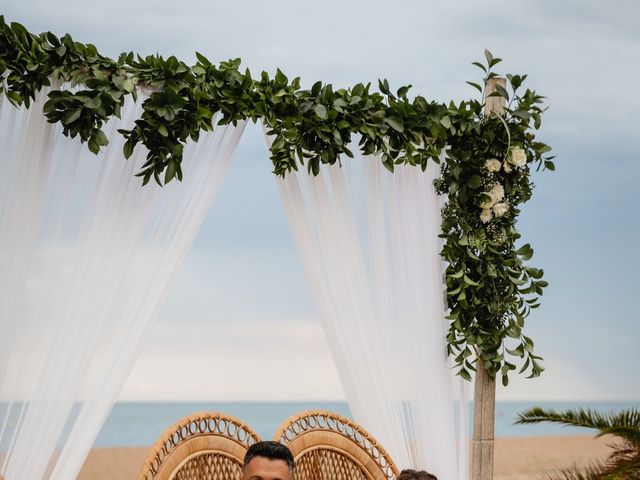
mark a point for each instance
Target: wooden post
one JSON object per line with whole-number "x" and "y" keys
{"x": 494, "y": 104}
{"x": 484, "y": 406}
{"x": 484, "y": 398}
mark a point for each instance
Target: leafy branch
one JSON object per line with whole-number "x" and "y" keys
{"x": 485, "y": 172}
{"x": 486, "y": 177}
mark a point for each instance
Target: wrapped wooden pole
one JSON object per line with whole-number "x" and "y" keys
{"x": 484, "y": 399}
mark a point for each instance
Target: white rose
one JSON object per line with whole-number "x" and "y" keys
{"x": 493, "y": 165}
{"x": 499, "y": 209}
{"x": 507, "y": 167}
{"x": 485, "y": 215}
{"x": 496, "y": 193}
{"x": 518, "y": 157}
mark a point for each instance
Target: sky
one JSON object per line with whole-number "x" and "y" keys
{"x": 241, "y": 303}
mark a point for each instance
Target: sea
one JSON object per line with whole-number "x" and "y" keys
{"x": 141, "y": 423}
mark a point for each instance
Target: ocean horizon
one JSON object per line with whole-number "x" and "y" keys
{"x": 140, "y": 423}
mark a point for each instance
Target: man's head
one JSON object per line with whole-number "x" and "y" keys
{"x": 415, "y": 475}
{"x": 268, "y": 461}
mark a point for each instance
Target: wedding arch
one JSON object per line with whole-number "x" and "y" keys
{"x": 87, "y": 254}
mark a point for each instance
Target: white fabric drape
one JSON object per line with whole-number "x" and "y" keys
{"x": 87, "y": 257}
{"x": 368, "y": 240}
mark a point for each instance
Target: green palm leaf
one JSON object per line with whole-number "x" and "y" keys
{"x": 625, "y": 424}
{"x": 622, "y": 464}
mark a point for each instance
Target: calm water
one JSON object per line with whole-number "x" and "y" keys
{"x": 138, "y": 423}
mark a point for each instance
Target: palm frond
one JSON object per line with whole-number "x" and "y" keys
{"x": 623, "y": 450}
{"x": 630, "y": 434}
{"x": 571, "y": 475}
{"x": 620, "y": 468}
{"x": 624, "y": 461}
{"x": 624, "y": 424}
{"x": 593, "y": 471}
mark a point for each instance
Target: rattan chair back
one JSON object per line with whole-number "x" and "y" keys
{"x": 203, "y": 446}
{"x": 326, "y": 446}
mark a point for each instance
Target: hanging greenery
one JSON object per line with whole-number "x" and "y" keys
{"x": 485, "y": 172}
{"x": 485, "y": 178}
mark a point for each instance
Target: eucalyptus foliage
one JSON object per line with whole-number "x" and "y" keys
{"x": 490, "y": 288}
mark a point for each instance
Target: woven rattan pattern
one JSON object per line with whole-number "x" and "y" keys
{"x": 320, "y": 420}
{"x": 209, "y": 467}
{"x": 321, "y": 464}
{"x": 193, "y": 426}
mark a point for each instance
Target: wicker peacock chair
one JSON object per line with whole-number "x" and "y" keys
{"x": 326, "y": 446}
{"x": 203, "y": 446}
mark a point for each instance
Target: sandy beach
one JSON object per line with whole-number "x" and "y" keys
{"x": 523, "y": 458}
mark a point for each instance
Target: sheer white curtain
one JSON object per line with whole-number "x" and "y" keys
{"x": 87, "y": 257}
{"x": 368, "y": 240}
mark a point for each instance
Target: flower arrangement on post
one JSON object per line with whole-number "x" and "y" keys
{"x": 485, "y": 178}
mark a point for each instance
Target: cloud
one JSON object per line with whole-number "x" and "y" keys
{"x": 253, "y": 359}
{"x": 230, "y": 286}
{"x": 243, "y": 271}
{"x": 561, "y": 381}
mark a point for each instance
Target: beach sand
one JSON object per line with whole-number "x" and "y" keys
{"x": 529, "y": 458}
{"x": 523, "y": 458}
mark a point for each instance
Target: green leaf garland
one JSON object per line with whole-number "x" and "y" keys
{"x": 485, "y": 169}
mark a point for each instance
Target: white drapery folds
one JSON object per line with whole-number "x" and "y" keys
{"x": 87, "y": 257}
{"x": 368, "y": 240}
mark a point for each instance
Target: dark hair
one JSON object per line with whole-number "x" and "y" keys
{"x": 271, "y": 450}
{"x": 415, "y": 475}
